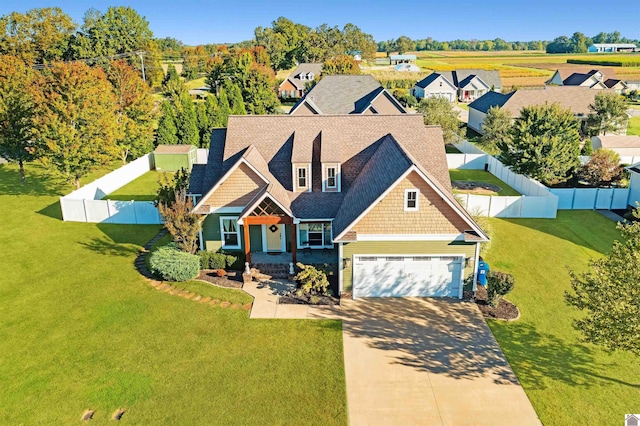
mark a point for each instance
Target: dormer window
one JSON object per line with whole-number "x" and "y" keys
{"x": 310, "y": 76}
{"x": 302, "y": 76}
{"x": 331, "y": 177}
{"x": 302, "y": 177}
{"x": 411, "y": 201}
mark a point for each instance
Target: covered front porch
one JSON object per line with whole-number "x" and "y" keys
{"x": 305, "y": 255}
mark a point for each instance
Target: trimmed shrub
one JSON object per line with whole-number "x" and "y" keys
{"x": 311, "y": 279}
{"x": 235, "y": 260}
{"x": 213, "y": 260}
{"x": 499, "y": 284}
{"x": 171, "y": 264}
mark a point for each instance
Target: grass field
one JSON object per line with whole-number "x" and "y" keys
{"x": 567, "y": 382}
{"x": 482, "y": 176}
{"x": 143, "y": 188}
{"x": 81, "y": 329}
{"x": 634, "y": 126}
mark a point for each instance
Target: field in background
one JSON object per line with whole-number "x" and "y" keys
{"x": 517, "y": 68}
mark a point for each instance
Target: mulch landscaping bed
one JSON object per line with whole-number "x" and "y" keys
{"x": 231, "y": 280}
{"x": 504, "y": 311}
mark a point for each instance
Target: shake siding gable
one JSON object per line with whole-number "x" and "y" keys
{"x": 434, "y": 216}
{"x": 238, "y": 189}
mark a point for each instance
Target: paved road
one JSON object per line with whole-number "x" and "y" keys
{"x": 427, "y": 362}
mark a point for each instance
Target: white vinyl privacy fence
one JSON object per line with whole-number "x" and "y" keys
{"x": 537, "y": 199}
{"x": 86, "y": 204}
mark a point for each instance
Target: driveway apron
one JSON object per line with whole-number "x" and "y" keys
{"x": 427, "y": 362}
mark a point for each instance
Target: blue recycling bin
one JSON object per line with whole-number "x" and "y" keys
{"x": 483, "y": 270}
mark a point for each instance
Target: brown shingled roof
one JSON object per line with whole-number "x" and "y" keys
{"x": 576, "y": 98}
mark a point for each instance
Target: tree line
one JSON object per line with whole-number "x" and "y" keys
{"x": 405, "y": 44}
{"x": 43, "y": 35}
{"x": 579, "y": 43}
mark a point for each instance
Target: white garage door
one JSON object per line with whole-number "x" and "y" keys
{"x": 407, "y": 276}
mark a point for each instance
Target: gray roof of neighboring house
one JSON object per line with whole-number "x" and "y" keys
{"x": 306, "y": 68}
{"x": 576, "y": 98}
{"x": 612, "y": 82}
{"x": 488, "y": 100}
{"x": 576, "y": 79}
{"x": 344, "y": 94}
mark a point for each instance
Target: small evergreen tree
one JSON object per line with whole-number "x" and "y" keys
{"x": 236, "y": 103}
{"x": 224, "y": 110}
{"x": 213, "y": 111}
{"x": 167, "y": 129}
{"x": 187, "y": 122}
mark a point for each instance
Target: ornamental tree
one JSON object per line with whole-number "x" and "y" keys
{"x": 544, "y": 144}
{"x": 602, "y": 169}
{"x": 77, "y": 126}
{"x": 183, "y": 225}
{"x": 609, "y": 294}
{"x": 497, "y": 126}
{"x": 17, "y": 110}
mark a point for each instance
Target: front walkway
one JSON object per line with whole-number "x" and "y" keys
{"x": 265, "y": 303}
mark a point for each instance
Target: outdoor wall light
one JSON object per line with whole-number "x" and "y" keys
{"x": 346, "y": 263}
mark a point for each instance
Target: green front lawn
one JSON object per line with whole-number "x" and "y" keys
{"x": 143, "y": 188}
{"x": 482, "y": 176}
{"x": 567, "y": 382}
{"x": 633, "y": 127}
{"x": 81, "y": 329}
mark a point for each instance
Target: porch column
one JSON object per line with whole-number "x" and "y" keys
{"x": 294, "y": 242}
{"x": 247, "y": 242}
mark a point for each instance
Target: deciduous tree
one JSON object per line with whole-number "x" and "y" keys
{"x": 404, "y": 44}
{"x": 497, "y": 126}
{"x": 17, "y": 110}
{"x": 340, "y": 64}
{"x": 608, "y": 114}
{"x": 439, "y": 111}
{"x": 134, "y": 111}
{"x": 38, "y": 35}
{"x": 602, "y": 169}
{"x": 544, "y": 144}
{"x": 76, "y": 121}
{"x": 609, "y": 294}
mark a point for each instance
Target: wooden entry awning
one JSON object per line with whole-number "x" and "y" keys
{"x": 269, "y": 220}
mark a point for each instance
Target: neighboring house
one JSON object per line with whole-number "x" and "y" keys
{"x": 625, "y": 146}
{"x": 347, "y": 94}
{"x": 406, "y": 68}
{"x": 617, "y": 86}
{"x": 370, "y": 191}
{"x": 470, "y": 84}
{"x": 295, "y": 85}
{"x": 435, "y": 85}
{"x": 402, "y": 59}
{"x": 593, "y": 79}
{"x": 632, "y": 85}
{"x": 612, "y": 47}
{"x": 577, "y": 99}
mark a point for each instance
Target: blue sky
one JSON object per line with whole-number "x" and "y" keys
{"x": 200, "y": 22}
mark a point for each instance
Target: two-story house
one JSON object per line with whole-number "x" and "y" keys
{"x": 371, "y": 191}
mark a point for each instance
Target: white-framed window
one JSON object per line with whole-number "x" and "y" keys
{"x": 411, "y": 200}
{"x": 315, "y": 234}
{"x": 230, "y": 232}
{"x": 302, "y": 76}
{"x": 302, "y": 177}
{"x": 310, "y": 76}
{"x": 331, "y": 177}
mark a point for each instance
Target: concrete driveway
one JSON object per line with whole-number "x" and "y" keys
{"x": 427, "y": 362}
